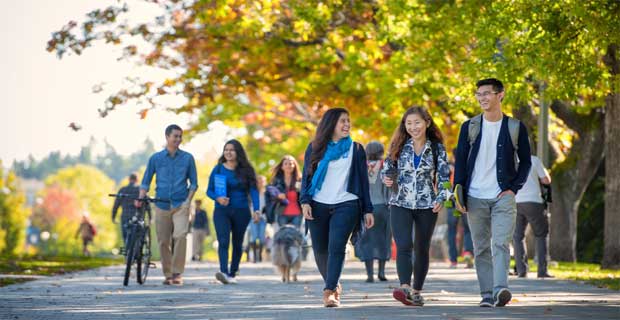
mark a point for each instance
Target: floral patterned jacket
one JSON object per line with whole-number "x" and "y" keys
{"x": 415, "y": 186}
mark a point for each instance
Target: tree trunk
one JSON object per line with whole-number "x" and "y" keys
{"x": 611, "y": 252}
{"x": 571, "y": 178}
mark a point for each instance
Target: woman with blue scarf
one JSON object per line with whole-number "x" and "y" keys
{"x": 334, "y": 196}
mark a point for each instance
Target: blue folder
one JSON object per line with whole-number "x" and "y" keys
{"x": 220, "y": 185}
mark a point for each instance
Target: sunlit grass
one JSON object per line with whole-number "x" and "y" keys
{"x": 587, "y": 272}
{"x": 48, "y": 266}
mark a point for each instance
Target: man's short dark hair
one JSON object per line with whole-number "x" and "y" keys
{"x": 498, "y": 86}
{"x": 171, "y": 128}
{"x": 133, "y": 177}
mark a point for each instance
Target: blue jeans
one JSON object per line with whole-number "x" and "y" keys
{"x": 294, "y": 220}
{"x": 257, "y": 231}
{"x": 330, "y": 230}
{"x": 227, "y": 221}
{"x": 452, "y": 224}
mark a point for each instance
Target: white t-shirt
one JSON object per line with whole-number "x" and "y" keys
{"x": 334, "y": 189}
{"x": 530, "y": 192}
{"x": 484, "y": 183}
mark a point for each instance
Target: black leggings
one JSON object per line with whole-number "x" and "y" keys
{"x": 402, "y": 221}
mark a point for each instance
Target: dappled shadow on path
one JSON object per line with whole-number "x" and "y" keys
{"x": 449, "y": 293}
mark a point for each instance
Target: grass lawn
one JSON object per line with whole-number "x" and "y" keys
{"x": 48, "y": 266}
{"x": 587, "y": 272}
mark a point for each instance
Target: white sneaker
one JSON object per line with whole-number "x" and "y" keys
{"x": 232, "y": 280}
{"x": 221, "y": 277}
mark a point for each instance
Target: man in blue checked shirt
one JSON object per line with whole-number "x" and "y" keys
{"x": 176, "y": 180}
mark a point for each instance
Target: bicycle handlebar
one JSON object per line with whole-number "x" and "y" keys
{"x": 132, "y": 197}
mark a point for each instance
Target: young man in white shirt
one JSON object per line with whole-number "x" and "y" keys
{"x": 531, "y": 209}
{"x": 490, "y": 175}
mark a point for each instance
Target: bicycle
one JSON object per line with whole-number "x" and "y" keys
{"x": 138, "y": 243}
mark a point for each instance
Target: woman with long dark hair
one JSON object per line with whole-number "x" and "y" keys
{"x": 231, "y": 182}
{"x": 376, "y": 243}
{"x": 284, "y": 195}
{"x": 334, "y": 196}
{"x": 417, "y": 162}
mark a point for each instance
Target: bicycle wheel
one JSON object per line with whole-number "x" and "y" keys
{"x": 129, "y": 256}
{"x": 144, "y": 256}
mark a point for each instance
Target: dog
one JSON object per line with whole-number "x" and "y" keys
{"x": 286, "y": 252}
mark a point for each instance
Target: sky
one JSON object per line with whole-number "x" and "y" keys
{"x": 41, "y": 94}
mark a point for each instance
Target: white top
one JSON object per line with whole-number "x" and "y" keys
{"x": 334, "y": 189}
{"x": 484, "y": 183}
{"x": 530, "y": 192}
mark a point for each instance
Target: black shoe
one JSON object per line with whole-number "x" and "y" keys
{"x": 502, "y": 297}
{"x": 545, "y": 275}
{"x": 382, "y": 277}
{"x": 522, "y": 275}
{"x": 486, "y": 303}
{"x": 370, "y": 279}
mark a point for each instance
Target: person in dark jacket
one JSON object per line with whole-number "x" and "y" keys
{"x": 127, "y": 204}
{"x": 200, "y": 230}
{"x": 376, "y": 243}
{"x": 491, "y": 177}
{"x": 284, "y": 205}
{"x": 334, "y": 196}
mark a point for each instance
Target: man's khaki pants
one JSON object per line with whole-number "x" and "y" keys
{"x": 172, "y": 225}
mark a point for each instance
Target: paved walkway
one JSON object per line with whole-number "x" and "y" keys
{"x": 450, "y": 294}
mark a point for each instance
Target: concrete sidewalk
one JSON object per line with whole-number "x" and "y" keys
{"x": 449, "y": 294}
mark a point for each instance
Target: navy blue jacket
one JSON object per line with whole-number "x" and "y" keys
{"x": 508, "y": 177}
{"x": 358, "y": 178}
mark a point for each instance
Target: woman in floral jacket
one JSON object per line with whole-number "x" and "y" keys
{"x": 417, "y": 163}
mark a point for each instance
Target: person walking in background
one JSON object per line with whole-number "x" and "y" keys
{"x": 231, "y": 183}
{"x": 417, "y": 163}
{"x": 531, "y": 209}
{"x": 258, "y": 226}
{"x": 334, "y": 196}
{"x": 284, "y": 203}
{"x": 175, "y": 180}
{"x": 87, "y": 232}
{"x": 127, "y": 205}
{"x": 200, "y": 230}
{"x": 375, "y": 244}
{"x": 490, "y": 175}
{"x": 453, "y": 217}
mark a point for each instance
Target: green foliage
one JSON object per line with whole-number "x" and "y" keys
{"x": 113, "y": 164}
{"x": 90, "y": 187}
{"x": 276, "y": 66}
{"x": 13, "y": 214}
{"x": 591, "y": 221}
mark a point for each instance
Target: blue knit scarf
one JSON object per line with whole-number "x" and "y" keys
{"x": 335, "y": 151}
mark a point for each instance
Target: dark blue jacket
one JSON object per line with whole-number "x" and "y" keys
{"x": 358, "y": 178}
{"x": 201, "y": 221}
{"x": 508, "y": 177}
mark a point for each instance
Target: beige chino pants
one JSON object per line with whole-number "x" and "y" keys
{"x": 172, "y": 225}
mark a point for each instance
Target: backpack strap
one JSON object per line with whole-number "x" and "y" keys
{"x": 473, "y": 132}
{"x": 513, "y": 129}
{"x": 435, "y": 152}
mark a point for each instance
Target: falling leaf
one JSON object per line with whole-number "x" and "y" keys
{"x": 143, "y": 113}
{"x": 74, "y": 126}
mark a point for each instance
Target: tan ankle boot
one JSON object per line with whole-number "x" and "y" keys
{"x": 329, "y": 299}
{"x": 338, "y": 292}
